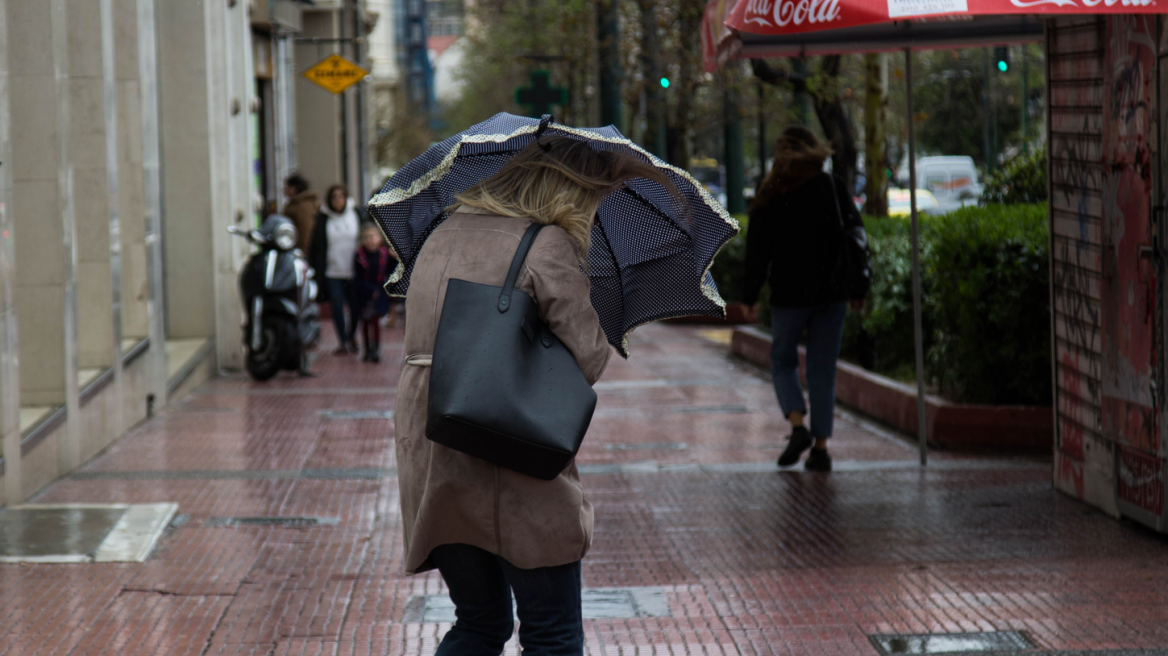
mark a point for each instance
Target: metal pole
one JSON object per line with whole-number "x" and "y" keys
{"x": 985, "y": 110}
{"x": 608, "y": 46}
{"x": 732, "y": 131}
{"x": 918, "y": 331}
{"x": 364, "y": 187}
{"x": 762, "y": 140}
{"x": 1025, "y": 102}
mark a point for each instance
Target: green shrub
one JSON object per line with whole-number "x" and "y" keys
{"x": 1020, "y": 180}
{"x": 730, "y": 264}
{"x": 985, "y": 312}
{"x": 887, "y": 314}
{"x": 989, "y": 298}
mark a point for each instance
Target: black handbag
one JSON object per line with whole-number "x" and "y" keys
{"x": 503, "y": 387}
{"x": 851, "y": 275}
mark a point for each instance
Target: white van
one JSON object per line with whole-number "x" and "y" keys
{"x": 952, "y": 181}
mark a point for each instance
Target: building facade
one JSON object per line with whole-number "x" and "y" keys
{"x": 133, "y": 133}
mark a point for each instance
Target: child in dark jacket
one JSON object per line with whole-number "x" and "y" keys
{"x": 372, "y": 265}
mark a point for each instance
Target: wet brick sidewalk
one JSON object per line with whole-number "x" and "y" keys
{"x": 701, "y": 546}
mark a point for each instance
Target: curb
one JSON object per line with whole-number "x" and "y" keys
{"x": 954, "y": 426}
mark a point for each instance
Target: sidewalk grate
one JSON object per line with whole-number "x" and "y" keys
{"x": 714, "y": 409}
{"x": 648, "y": 446}
{"x": 357, "y": 414}
{"x": 950, "y": 643}
{"x": 285, "y": 522}
{"x": 597, "y": 604}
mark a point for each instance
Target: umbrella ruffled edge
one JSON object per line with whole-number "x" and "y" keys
{"x": 420, "y": 184}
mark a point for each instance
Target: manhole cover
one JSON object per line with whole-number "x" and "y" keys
{"x": 82, "y": 533}
{"x": 357, "y": 414}
{"x": 290, "y": 522}
{"x": 950, "y": 643}
{"x": 596, "y": 604}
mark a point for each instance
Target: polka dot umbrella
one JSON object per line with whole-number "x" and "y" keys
{"x": 648, "y": 261}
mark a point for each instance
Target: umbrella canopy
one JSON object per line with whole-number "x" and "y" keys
{"x": 649, "y": 259}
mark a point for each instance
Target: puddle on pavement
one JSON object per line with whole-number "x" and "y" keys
{"x": 37, "y": 532}
{"x": 950, "y": 643}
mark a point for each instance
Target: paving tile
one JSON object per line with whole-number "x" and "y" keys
{"x": 745, "y": 559}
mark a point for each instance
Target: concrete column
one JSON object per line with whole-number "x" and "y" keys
{"x": 233, "y": 87}
{"x": 187, "y": 186}
{"x": 42, "y": 207}
{"x": 131, "y": 179}
{"x": 197, "y": 55}
{"x": 95, "y": 181}
{"x": 318, "y": 112}
{"x": 9, "y": 346}
{"x": 152, "y": 193}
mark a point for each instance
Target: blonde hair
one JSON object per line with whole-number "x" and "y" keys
{"x": 561, "y": 181}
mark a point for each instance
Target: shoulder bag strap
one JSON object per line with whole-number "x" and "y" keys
{"x": 835, "y": 197}
{"x": 517, "y": 264}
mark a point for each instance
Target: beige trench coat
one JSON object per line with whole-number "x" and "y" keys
{"x": 448, "y": 497}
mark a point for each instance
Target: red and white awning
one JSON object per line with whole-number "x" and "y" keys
{"x": 772, "y": 28}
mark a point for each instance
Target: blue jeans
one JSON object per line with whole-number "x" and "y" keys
{"x": 480, "y": 583}
{"x": 337, "y": 290}
{"x": 825, "y": 330}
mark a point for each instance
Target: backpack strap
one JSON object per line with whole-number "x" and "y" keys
{"x": 517, "y": 264}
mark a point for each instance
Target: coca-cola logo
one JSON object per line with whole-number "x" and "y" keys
{"x": 797, "y": 12}
{"x": 1084, "y": 3}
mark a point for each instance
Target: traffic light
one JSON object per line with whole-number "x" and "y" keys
{"x": 664, "y": 83}
{"x": 1002, "y": 58}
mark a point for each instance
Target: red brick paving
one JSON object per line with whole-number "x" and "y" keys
{"x": 751, "y": 561}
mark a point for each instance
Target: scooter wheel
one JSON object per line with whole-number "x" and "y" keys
{"x": 266, "y": 361}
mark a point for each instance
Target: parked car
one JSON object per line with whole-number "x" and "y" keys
{"x": 953, "y": 181}
{"x": 899, "y": 202}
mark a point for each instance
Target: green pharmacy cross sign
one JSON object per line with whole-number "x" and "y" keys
{"x": 540, "y": 96}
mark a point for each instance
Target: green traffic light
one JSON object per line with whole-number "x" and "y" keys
{"x": 664, "y": 83}
{"x": 1003, "y": 66}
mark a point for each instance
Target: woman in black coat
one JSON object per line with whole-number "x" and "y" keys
{"x": 794, "y": 235}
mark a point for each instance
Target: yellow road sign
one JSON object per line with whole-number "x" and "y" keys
{"x": 336, "y": 73}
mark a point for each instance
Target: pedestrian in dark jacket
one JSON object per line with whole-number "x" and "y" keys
{"x": 372, "y": 264}
{"x": 302, "y": 206}
{"x": 794, "y": 236}
{"x": 334, "y": 240}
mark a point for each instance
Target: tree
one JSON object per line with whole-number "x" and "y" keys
{"x": 875, "y": 136}
{"x": 823, "y": 87}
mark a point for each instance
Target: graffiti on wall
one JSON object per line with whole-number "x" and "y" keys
{"x": 1128, "y": 292}
{"x": 1076, "y": 101}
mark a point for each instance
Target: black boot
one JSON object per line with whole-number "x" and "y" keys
{"x": 797, "y": 443}
{"x": 818, "y": 460}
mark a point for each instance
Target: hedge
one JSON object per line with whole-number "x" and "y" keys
{"x": 986, "y": 302}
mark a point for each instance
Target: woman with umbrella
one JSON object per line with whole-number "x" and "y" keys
{"x": 489, "y": 530}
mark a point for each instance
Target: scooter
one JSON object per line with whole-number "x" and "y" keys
{"x": 278, "y": 291}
